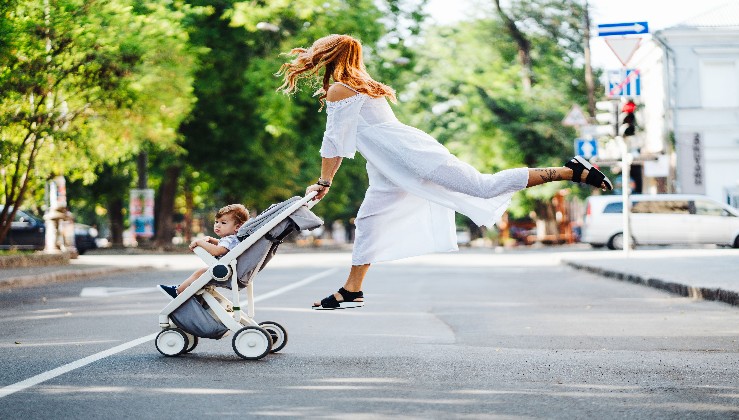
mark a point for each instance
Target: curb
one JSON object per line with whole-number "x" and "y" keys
{"x": 34, "y": 260}
{"x": 696, "y": 292}
{"x": 63, "y": 276}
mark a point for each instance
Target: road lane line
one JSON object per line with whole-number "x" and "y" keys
{"x": 292, "y": 286}
{"x": 43, "y": 377}
{"x": 20, "y": 386}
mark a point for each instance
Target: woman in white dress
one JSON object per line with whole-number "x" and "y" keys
{"x": 415, "y": 184}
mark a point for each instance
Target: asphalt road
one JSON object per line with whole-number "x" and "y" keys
{"x": 443, "y": 336}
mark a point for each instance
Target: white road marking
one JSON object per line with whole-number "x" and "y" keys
{"x": 35, "y": 380}
{"x": 43, "y": 377}
{"x": 115, "y": 291}
{"x": 292, "y": 286}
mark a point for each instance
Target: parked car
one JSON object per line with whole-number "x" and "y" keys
{"x": 26, "y": 232}
{"x": 662, "y": 219}
{"x": 29, "y": 232}
{"x": 85, "y": 237}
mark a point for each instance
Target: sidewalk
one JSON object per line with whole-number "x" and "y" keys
{"x": 79, "y": 269}
{"x": 700, "y": 273}
{"x": 93, "y": 265}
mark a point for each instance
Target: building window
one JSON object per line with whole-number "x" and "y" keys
{"x": 719, "y": 84}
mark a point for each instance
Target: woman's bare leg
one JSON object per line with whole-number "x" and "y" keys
{"x": 353, "y": 282}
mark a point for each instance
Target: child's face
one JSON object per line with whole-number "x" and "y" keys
{"x": 226, "y": 225}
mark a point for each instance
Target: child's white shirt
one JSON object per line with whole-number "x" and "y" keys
{"x": 229, "y": 242}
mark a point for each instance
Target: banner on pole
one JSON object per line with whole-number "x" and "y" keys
{"x": 141, "y": 212}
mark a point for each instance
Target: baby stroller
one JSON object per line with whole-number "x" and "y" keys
{"x": 201, "y": 311}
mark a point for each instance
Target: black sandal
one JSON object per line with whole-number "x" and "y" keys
{"x": 595, "y": 177}
{"x": 349, "y": 300}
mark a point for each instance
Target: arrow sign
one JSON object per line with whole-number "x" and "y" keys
{"x": 630, "y": 28}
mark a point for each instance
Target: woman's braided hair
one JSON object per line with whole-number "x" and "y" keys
{"x": 341, "y": 56}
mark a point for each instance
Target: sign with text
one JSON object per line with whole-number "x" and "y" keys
{"x": 691, "y": 163}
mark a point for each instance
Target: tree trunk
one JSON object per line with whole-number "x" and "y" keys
{"x": 524, "y": 48}
{"x": 142, "y": 163}
{"x": 165, "y": 210}
{"x": 115, "y": 213}
{"x": 589, "y": 82}
{"x": 189, "y": 204}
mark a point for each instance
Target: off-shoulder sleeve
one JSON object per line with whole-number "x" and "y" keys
{"x": 340, "y": 137}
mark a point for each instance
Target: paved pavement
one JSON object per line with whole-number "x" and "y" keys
{"x": 700, "y": 273}
{"x": 710, "y": 274}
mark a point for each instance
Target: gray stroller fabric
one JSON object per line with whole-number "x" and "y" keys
{"x": 193, "y": 317}
{"x": 266, "y": 246}
{"x": 251, "y": 226}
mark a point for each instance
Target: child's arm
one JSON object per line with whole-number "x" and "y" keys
{"x": 212, "y": 248}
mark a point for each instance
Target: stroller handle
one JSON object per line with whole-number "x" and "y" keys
{"x": 310, "y": 203}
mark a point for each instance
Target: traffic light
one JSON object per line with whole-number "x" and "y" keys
{"x": 608, "y": 120}
{"x": 628, "y": 122}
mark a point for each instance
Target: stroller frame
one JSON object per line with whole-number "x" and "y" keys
{"x": 251, "y": 340}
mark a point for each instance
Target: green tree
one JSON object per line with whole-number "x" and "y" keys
{"x": 76, "y": 88}
{"x": 478, "y": 105}
{"x": 258, "y": 145}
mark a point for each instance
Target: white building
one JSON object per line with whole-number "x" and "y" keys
{"x": 690, "y": 79}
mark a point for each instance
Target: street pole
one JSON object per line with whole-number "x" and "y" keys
{"x": 626, "y": 160}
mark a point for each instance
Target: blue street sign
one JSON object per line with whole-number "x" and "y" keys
{"x": 586, "y": 148}
{"x": 628, "y": 28}
{"x": 623, "y": 82}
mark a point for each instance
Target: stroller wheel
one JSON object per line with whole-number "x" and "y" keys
{"x": 278, "y": 334}
{"x": 192, "y": 342}
{"x": 171, "y": 342}
{"x": 252, "y": 343}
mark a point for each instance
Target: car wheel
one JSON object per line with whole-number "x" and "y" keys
{"x": 736, "y": 242}
{"x": 617, "y": 241}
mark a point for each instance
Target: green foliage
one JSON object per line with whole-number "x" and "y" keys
{"x": 259, "y": 145}
{"x": 474, "y": 103}
{"x": 86, "y": 82}
{"x": 193, "y": 84}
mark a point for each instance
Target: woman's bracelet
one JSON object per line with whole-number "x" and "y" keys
{"x": 322, "y": 182}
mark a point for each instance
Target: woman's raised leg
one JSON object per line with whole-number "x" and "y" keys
{"x": 576, "y": 170}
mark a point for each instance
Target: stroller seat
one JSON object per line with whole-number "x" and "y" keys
{"x": 202, "y": 311}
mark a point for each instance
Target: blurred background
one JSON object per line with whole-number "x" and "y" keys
{"x": 129, "y": 123}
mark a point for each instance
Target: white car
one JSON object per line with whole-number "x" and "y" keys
{"x": 662, "y": 219}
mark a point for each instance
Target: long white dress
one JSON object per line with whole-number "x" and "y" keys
{"x": 415, "y": 184}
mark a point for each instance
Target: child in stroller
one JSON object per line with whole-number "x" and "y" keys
{"x": 228, "y": 221}
{"x": 202, "y": 311}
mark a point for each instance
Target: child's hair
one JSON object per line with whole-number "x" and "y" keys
{"x": 341, "y": 55}
{"x": 239, "y": 212}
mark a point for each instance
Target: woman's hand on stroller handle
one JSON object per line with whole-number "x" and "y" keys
{"x": 320, "y": 191}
